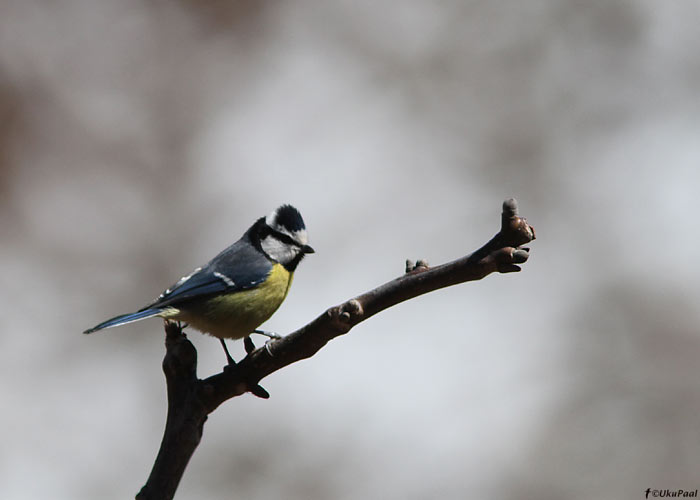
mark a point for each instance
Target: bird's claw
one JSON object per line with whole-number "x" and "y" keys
{"x": 271, "y": 335}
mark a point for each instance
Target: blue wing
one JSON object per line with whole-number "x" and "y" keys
{"x": 239, "y": 267}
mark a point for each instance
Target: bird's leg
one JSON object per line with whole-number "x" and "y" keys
{"x": 248, "y": 344}
{"x": 271, "y": 335}
{"x": 230, "y": 360}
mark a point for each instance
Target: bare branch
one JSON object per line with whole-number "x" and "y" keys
{"x": 190, "y": 400}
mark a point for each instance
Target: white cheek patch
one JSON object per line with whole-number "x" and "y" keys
{"x": 300, "y": 236}
{"x": 278, "y": 250}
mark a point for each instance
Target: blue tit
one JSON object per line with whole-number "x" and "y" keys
{"x": 240, "y": 288}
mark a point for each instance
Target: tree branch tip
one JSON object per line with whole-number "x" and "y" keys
{"x": 520, "y": 255}
{"x": 507, "y": 259}
{"x": 509, "y": 268}
{"x": 520, "y": 224}
{"x": 515, "y": 231}
{"x": 510, "y": 207}
{"x": 259, "y": 391}
{"x": 514, "y": 228}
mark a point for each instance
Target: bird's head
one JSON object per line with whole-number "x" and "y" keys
{"x": 283, "y": 236}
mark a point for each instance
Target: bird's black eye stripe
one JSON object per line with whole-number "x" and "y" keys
{"x": 285, "y": 238}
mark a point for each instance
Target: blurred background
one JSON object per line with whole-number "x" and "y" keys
{"x": 138, "y": 139}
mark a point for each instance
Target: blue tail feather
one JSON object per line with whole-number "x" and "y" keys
{"x": 125, "y": 318}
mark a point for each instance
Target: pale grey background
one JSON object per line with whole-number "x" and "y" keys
{"x": 137, "y": 139}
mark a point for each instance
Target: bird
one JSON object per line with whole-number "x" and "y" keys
{"x": 240, "y": 288}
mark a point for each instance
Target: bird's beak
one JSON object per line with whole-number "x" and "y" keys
{"x": 307, "y": 249}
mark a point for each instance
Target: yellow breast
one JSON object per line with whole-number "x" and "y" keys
{"x": 236, "y": 315}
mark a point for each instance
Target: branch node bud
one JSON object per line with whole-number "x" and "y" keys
{"x": 350, "y": 310}
{"x": 418, "y": 266}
